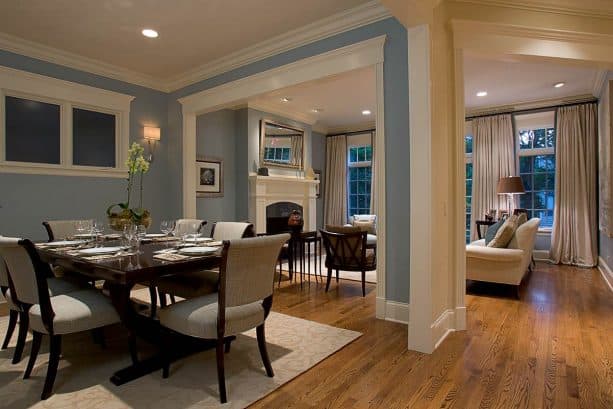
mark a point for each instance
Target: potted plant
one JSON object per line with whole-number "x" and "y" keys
{"x": 137, "y": 166}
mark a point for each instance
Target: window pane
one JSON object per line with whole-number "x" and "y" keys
{"x": 525, "y": 139}
{"x": 353, "y": 154}
{"x": 353, "y": 201}
{"x": 32, "y": 131}
{"x": 369, "y": 153}
{"x": 93, "y": 140}
{"x": 551, "y": 137}
{"x": 527, "y": 180}
{"x": 540, "y": 138}
{"x": 544, "y": 163}
{"x": 525, "y": 201}
{"x": 525, "y": 164}
{"x": 362, "y": 202}
{"x": 469, "y": 171}
{"x": 468, "y": 204}
{"x": 550, "y": 183}
{"x": 468, "y": 144}
{"x": 285, "y": 154}
{"x": 469, "y": 187}
{"x": 540, "y": 200}
{"x": 546, "y": 217}
{"x": 540, "y": 181}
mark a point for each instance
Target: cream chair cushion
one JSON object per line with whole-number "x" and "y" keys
{"x": 505, "y": 233}
{"x": 75, "y": 312}
{"x": 229, "y": 230}
{"x": 198, "y": 317}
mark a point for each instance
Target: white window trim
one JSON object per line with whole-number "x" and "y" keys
{"x": 67, "y": 94}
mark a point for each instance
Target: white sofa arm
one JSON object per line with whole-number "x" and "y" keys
{"x": 495, "y": 254}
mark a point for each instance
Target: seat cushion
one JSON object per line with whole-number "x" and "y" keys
{"x": 190, "y": 285}
{"x": 59, "y": 286}
{"x": 198, "y": 317}
{"x": 75, "y": 312}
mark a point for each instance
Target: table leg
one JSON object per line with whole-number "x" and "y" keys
{"x": 309, "y": 260}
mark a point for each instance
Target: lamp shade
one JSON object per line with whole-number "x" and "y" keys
{"x": 152, "y": 134}
{"x": 510, "y": 185}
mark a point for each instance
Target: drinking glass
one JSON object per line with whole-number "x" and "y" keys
{"x": 97, "y": 230}
{"x": 83, "y": 226}
{"x": 129, "y": 233}
{"x": 167, "y": 226}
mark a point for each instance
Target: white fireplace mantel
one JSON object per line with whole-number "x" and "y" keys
{"x": 266, "y": 190}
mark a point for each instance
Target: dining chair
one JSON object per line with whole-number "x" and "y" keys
{"x": 346, "y": 249}
{"x": 61, "y": 229}
{"x": 197, "y": 283}
{"x": 56, "y": 315}
{"x": 246, "y": 278}
{"x": 188, "y": 226}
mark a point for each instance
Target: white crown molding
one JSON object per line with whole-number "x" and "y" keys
{"x": 347, "y": 20}
{"x": 599, "y": 82}
{"x": 56, "y": 56}
{"x": 362, "y": 126}
{"x": 283, "y": 111}
{"x": 548, "y": 7}
{"x": 533, "y": 104}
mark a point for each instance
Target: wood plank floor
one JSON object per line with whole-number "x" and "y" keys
{"x": 553, "y": 348}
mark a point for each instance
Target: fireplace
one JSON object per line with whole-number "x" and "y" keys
{"x": 277, "y": 215}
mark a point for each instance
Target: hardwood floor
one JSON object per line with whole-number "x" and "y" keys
{"x": 553, "y": 348}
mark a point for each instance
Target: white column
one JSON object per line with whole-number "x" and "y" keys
{"x": 189, "y": 165}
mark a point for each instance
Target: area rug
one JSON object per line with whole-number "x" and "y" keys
{"x": 371, "y": 276}
{"x": 294, "y": 346}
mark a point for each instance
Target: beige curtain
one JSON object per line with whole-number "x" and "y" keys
{"x": 493, "y": 158}
{"x": 373, "y": 179}
{"x": 335, "y": 199}
{"x": 296, "y": 149}
{"x": 573, "y": 239}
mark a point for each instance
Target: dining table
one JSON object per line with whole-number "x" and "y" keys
{"x": 121, "y": 273}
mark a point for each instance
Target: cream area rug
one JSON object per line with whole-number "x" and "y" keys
{"x": 294, "y": 346}
{"x": 371, "y": 276}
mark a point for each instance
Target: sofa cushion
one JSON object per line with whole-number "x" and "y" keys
{"x": 366, "y": 225}
{"x": 505, "y": 233}
{"x": 521, "y": 219}
{"x": 492, "y": 230}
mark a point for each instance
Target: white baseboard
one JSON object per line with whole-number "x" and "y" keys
{"x": 392, "y": 311}
{"x": 606, "y": 272}
{"x": 460, "y": 318}
{"x": 442, "y": 326}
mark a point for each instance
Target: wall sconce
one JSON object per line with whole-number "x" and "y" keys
{"x": 152, "y": 135}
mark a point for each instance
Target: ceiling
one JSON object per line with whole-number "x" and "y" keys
{"x": 341, "y": 99}
{"x": 514, "y": 80}
{"x": 191, "y": 32}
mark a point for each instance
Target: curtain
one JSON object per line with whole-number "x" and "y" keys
{"x": 493, "y": 158}
{"x": 573, "y": 239}
{"x": 373, "y": 178}
{"x": 335, "y": 209}
{"x": 296, "y": 150}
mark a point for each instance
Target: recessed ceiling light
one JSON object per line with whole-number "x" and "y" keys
{"x": 481, "y": 93}
{"x": 285, "y": 99}
{"x": 150, "y": 33}
{"x": 366, "y": 112}
{"x": 559, "y": 84}
{"x": 316, "y": 110}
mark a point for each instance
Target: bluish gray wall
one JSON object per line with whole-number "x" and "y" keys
{"x": 396, "y": 133}
{"x": 318, "y": 162}
{"x": 605, "y": 249}
{"x": 27, "y": 200}
{"x": 216, "y": 137}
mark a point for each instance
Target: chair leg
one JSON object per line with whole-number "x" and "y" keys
{"x": 24, "y": 323}
{"x": 329, "y": 279}
{"x": 132, "y": 347}
{"x": 228, "y": 345}
{"x": 263, "y": 351}
{"x": 154, "y": 300}
{"x": 162, "y": 299}
{"x": 54, "y": 359}
{"x": 11, "y": 328}
{"x": 172, "y": 299}
{"x": 337, "y": 275}
{"x": 363, "y": 283}
{"x": 166, "y": 348}
{"x": 221, "y": 377}
{"x": 38, "y": 337}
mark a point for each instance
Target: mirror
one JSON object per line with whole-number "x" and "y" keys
{"x": 281, "y": 145}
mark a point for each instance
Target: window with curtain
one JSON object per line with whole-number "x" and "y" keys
{"x": 535, "y": 134}
{"x": 277, "y": 154}
{"x": 359, "y": 173}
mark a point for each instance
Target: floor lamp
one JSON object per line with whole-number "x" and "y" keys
{"x": 509, "y": 186}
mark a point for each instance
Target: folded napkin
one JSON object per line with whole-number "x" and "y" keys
{"x": 214, "y": 243}
{"x": 107, "y": 256}
{"x": 170, "y": 257}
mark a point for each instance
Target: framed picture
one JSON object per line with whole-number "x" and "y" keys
{"x": 319, "y": 187}
{"x": 209, "y": 177}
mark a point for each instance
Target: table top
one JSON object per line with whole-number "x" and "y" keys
{"x": 129, "y": 269}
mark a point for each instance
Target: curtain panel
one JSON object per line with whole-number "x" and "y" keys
{"x": 574, "y": 234}
{"x": 335, "y": 210}
{"x": 493, "y": 158}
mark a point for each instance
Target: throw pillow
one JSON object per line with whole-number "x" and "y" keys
{"x": 492, "y": 230}
{"x": 505, "y": 233}
{"x": 365, "y": 225}
{"x": 521, "y": 219}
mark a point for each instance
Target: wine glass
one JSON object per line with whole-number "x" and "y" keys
{"x": 97, "y": 230}
{"x": 83, "y": 227}
{"x": 129, "y": 233}
{"x": 167, "y": 227}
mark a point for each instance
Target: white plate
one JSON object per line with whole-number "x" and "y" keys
{"x": 198, "y": 239}
{"x": 154, "y": 235}
{"x": 64, "y": 243}
{"x": 197, "y": 251}
{"x": 101, "y": 250}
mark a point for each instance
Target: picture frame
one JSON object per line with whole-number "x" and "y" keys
{"x": 209, "y": 177}
{"x": 318, "y": 187}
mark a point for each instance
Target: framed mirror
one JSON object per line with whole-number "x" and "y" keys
{"x": 281, "y": 145}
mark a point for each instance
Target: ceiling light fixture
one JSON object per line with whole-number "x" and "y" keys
{"x": 148, "y": 32}
{"x": 366, "y": 112}
{"x": 481, "y": 93}
{"x": 559, "y": 84}
{"x": 285, "y": 99}
{"x": 316, "y": 110}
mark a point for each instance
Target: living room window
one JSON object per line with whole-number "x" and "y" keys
{"x": 277, "y": 154}
{"x": 537, "y": 162}
{"x": 468, "y": 163}
{"x": 359, "y": 173}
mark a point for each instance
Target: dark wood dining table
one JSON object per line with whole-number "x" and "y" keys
{"x": 120, "y": 275}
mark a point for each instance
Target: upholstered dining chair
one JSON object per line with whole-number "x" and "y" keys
{"x": 188, "y": 226}
{"x": 57, "y": 315}
{"x": 61, "y": 229}
{"x": 246, "y": 278}
{"x": 347, "y": 249}
{"x": 197, "y": 283}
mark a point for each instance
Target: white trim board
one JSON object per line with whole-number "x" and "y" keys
{"x": 606, "y": 272}
{"x": 356, "y": 17}
{"x": 393, "y": 311}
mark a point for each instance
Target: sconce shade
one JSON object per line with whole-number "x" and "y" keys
{"x": 510, "y": 185}
{"x": 152, "y": 134}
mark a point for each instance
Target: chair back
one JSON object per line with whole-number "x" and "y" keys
{"x": 248, "y": 269}
{"x": 345, "y": 247}
{"x": 231, "y": 230}
{"x": 188, "y": 226}
{"x": 61, "y": 229}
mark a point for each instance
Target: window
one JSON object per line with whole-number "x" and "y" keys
{"x": 55, "y": 127}
{"x": 468, "y": 164}
{"x": 359, "y": 173}
{"x": 274, "y": 154}
{"x": 537, "y": 164}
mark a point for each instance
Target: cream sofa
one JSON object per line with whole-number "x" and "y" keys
{"x": 503, "y": 265}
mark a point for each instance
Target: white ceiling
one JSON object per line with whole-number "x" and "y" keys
{"x": 341, "y": 98}
{"x": 191, "y": 32}
{"x": 513, "y": 80}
